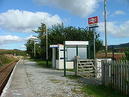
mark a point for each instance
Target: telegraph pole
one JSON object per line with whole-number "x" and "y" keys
{"x": 105, "y": 27}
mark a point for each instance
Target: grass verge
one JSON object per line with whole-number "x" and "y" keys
{"x": 97, "y": 90}
{"x": 42, "y": 63}
{"x": 101, "y": 91}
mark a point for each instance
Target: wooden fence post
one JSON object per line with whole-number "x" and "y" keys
{"x": 106, "y": 73}
{"x": 103, "y": 72}
{"x": 116, "y": 73}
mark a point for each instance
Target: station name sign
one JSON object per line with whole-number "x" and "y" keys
{"x": 54, "y": 46}
{"x": 76, "y": 43}
{"x": 93, "y": 21}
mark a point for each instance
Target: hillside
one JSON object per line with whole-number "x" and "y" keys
{"x": 6, "y": 59}
{"x": 124, "y": 45}
{"x": 13, "y": 52}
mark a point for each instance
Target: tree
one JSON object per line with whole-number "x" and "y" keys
{"x": 127, "y": 54}
{"x": 30, "y": 47}
{"x": 58, "y": 34}
{"x": 41, "y": 31}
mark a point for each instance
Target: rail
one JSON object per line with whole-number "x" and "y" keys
{"x": 5, "y": 72}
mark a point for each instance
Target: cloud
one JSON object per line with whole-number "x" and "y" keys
{"x": 119, "y": 12}
{"x": 116, "y": 29}
{"x": 23, "y": 47}
{"x": 26, "y": 21}
{"x": 7, "y": 39}
{"x": 31, "y": 37}
{"x": 81, "y": 8}
{"x": 15, "y": 41}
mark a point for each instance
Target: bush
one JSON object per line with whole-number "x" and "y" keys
{"x": 127, "y": 55}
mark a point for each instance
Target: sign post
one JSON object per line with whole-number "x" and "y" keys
{"x": 93, "y": 23}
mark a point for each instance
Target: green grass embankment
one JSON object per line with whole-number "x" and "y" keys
{"x": 6, "y": 59}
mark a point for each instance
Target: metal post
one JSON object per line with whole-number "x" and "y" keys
{"x": 94, "y": 43}
{"x": 105, "y": 24}
{"x": 46, "y": 47}
{"x": 76, "y": 50}
{"x": 95, "y": 52}
{"x": 89, "y": 53}
{"x": 76, "y": 62}
{"x": 64, "y": 61}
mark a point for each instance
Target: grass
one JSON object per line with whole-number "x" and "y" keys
{"x": 100, "y": 91}
{"x": 42, "y": 63}
{"x": 97, "y": 90}
{"x": 6, "y": 59}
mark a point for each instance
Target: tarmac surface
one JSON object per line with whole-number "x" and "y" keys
{"x": 30, "y": 80}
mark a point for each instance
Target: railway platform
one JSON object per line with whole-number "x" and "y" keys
{"x": 30, "y": 80}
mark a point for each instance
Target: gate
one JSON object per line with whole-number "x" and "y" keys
{"x": 85, "y": 68}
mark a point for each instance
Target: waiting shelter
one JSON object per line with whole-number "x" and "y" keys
{"x": 63, "y": 54}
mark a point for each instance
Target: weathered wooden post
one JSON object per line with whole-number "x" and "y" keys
{"x": 103, "y": 72}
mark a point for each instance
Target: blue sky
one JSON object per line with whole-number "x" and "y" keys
{"x": 19, "y": 17}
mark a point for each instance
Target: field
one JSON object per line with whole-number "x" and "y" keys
{"x": 13, "y": 52}
{"x": 117, "y": 56}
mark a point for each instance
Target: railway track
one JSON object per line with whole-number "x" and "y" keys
{"x": 5, "y": 72}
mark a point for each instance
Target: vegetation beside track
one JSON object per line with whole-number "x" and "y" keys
{"x": 13, "y": 52}
{"x": 6, "y": 59}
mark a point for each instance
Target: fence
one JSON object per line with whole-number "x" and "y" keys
{"x": 116, "y": 74}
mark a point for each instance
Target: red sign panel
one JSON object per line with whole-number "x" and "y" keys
{"x": 93, "y": 20}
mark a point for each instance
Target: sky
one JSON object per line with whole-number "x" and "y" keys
{"x": 19, "y": 17}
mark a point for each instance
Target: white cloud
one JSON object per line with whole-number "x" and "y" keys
{"x": 116, "y": 29}
{"x": 119, "y": 12}
{"x": 26, "y": 21}
{"x": 23, "y": 47}
{"x": 31, "y": 37}
{"x": 7, "y": 39}
{"x": 79, "y": 7}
